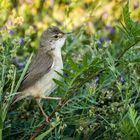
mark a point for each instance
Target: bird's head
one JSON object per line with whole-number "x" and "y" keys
{"x": 53, "y": 38}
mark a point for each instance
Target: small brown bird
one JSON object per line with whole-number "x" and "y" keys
{"x": 38, "y": 82}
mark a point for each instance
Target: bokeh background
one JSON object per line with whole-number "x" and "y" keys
{"x": 31, "y": 17}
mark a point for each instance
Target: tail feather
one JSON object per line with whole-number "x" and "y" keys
{"x": 19, "y": 97}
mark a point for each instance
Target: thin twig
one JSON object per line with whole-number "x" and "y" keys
{"x": 126, "y": 49}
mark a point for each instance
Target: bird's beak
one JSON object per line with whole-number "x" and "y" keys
{"x": 68, "y": 33}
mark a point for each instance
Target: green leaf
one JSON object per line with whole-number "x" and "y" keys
{"x": 135, "y": 119}
{"x": 126, "y": 17}
{"x": 43, "y": 135}
{"x": 73, "y": 65}
{"x": 136, "y": 60}
{"x": 59, "y": 83}
{"x": 132, "y": 27}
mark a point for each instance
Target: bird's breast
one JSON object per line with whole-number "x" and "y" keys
{"x": 46, "y": 84}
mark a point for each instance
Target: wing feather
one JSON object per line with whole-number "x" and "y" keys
{"x": 40, "y": 65}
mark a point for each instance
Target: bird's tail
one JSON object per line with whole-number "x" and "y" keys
{"x": 19, "y": 97}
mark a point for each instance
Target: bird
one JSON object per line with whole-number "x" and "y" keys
{"x": 44, "y": 68}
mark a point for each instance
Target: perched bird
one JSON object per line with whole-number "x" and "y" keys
{"x": 38, "y": 82}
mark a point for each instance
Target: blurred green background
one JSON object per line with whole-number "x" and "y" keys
{"x": 31, "y": 17}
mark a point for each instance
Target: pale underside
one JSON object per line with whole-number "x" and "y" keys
{"x": 39, "y": 79}
{"x": 45, "y": 85}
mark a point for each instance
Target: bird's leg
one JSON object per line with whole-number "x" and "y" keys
{"x": 40, "y": 106}
{"x": 53, "y": 98}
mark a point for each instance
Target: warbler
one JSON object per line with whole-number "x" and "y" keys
{"x": 45, "y": 66}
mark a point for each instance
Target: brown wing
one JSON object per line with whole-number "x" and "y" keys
{"x": 40, "y": 65}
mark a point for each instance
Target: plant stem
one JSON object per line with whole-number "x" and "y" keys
{"x": 126, "y": 49}
{"x": 23, "y": 73}
{"x": 0, "y": 133}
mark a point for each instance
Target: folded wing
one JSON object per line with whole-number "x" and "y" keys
{"x": 40, "y": 65}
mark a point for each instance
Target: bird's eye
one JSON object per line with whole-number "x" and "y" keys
{"x": 56, "y": 36}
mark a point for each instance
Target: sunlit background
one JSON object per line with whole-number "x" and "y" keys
{"x": 34, "y": 16}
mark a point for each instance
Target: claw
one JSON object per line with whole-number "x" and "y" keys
{"x": 47, "y": 120}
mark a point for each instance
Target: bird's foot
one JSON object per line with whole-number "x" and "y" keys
{"x": 47, "y": 119}
{"x": 54, "y": 98}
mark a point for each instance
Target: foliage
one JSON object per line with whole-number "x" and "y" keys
{"x": 99, "y": 89}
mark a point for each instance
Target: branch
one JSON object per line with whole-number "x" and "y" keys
{"x": 126, "y": 49}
